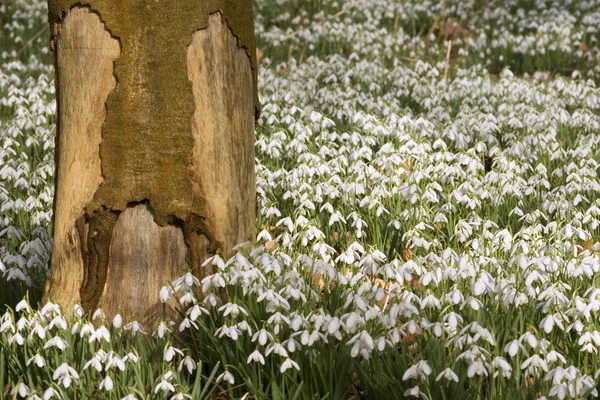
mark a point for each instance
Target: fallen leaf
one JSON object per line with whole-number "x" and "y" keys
{"x": 407, "y": 254}
{"x": 587, "y": 245}
{"x": 260, "y": 55}
{"x": 6, "y": 390}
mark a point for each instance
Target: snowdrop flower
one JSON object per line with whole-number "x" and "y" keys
{"x": 420, "y": 369}
{"x": 23, "y": 304}
{"x": 362, "y": 343}
{"x": 117, "y": 321}
{"x": 189, "y": 363}
{"x": 180, "y": 396}
{"x": 277, "y": 349}
{"x": 164, "y": 386}
{"x": 415, "y": 392}
{"x": 500, "y": 364}
{"x": 226, "y": 376}
{"x": 288, "y": 363}
{"x": 95, "y": 362}
{"x": 98, "y": 313}
{"x": 39, "y": 360}
{"x": 106, "y": 384}
{"x": 65, "y": 374}
{"x": 476, "y": 368}
{"x": 99, "y": 334}
{"x": 51, "y": 393}
{"x": 164, "y": 294}
{"x": 232, "y": 309}
{"x": 448, "y": 374}
{"x": 162, "y": 329}
{"x": 134, "y": 327}
{"x": 22, "y": 389}
{"x": 170, "y": 352}
{"x": 56, "y": 342}
{"x": 534, "y": 362}
{"x": 114, "y": 360}
{"x": 256, "y": 357}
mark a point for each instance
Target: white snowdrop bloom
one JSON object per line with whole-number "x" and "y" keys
{"x": 164, "y": 386}
{"x": 256, "y": 357}
{"x": 447, "y": 374}
{"x": 164, "y": 294}
{"x": 415, "y": 392}
{"x": 189, "y": 363}
{"x": 51, "y": 393}
{"x": 58, "y": 320}
{"x": 39, "y": 360}
{"x": 530, "y": 339}
{"x": 262, "y": 336}
{"x": 476, "y": 368}
{"x": 95, "y": 362}
{"x": 6, "y": 325}
{"x": 65, "y": 374}
{"x": 134, "y": 327}
{"x": 131, "y": 356}
{"x": 106, "y": 384}
{"x": 162, "y": 329}
{"x": 230, "y": 331}
{"x": 180, "y": 396}
{"x": 233, "y": 309}
{"x": 363, "y": 344}
{"x": 22, "y": 389}
{"x": 56, "y": 342}
{"x": 287, "y": 364}
{"x": 195, "y": 311}
{"x": 512, "y": 348}
{"x": 98, "y": 313}
{"x": 40, "y": 330}
{"x": 420, "y": 369}
{"x": 187, "y": 298}
{"x": 226, "y": 376}
{"x": 534, "y": 362}
{"x": 500, "y": 363}
{"x": 277, "y": 349}
{"x": 99, "y": 334}
{"x": 23, "y": 304}
{"x": 114, "y": 360}
{"x": 77, "y": 310}
{"x": 170, "y": 352}
{"x": 48, "y": 307}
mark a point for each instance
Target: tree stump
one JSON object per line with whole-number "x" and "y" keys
{"x": 156, "y": 107}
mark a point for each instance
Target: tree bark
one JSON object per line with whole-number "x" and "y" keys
{"x": 156, "y": 106}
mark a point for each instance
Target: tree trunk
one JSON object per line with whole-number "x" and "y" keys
{"x": 156, "y": 106}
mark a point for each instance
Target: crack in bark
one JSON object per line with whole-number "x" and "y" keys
{"x": 96, "y": 244}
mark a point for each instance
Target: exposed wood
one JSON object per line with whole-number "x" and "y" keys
{"x": 143, "y": 257}
{"x": 223, "y": 155}
{"x": 85, "y": 52}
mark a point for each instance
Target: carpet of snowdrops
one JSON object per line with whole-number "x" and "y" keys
{"x": 429, "y": 215}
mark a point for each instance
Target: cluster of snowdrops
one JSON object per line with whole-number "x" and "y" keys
{"x": 428, "y": 226}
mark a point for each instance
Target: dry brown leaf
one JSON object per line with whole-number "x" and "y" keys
{"x": 407, "y": 165}
{"x": 407, "y": 254}
{"x": 587, "y": 245}
{"x": 271, "y": 245}
{"x": 260, "y": 55}
{"x": 7, "y": 389}
{"x": 454, "y": 29}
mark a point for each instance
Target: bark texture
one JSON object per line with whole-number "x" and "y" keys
{"x": 155, "y": 147}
